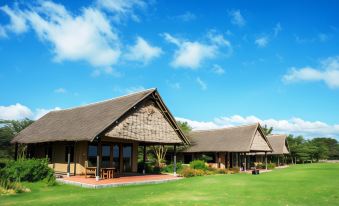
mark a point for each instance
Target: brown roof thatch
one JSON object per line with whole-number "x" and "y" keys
{"x": 88, "y": 122}
{"x": 278, "y": 143}
{"x": 232, "y": 139}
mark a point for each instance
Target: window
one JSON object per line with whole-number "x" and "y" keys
{"x": 106, "y": 155}
{"x": 116, "y": 156}
{"x": 69, "y": 149}
{"x": 92, "y": 155}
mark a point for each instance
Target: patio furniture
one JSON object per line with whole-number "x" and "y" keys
{"x": 89, "y": 170}
{"x": 107, "y": 173}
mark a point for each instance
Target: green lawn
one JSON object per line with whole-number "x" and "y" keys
{"x": 311, "y": 184}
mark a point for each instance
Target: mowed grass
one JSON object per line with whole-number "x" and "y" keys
{"x": 311, "y": 184}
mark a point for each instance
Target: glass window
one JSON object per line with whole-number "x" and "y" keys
{"x": 106, "y": 154}
{"x": 127, "y": 158}
{"x": 92, "y": 155}
{"x": 116, "y": 156}
{"x": 70, "y": 149}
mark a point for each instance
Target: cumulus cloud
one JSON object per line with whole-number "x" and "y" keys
{"x": 121, "y": 9}
{"x": 328, "y": 72}
{"x": 186, "y": 17}
{"x": 262, "y": 41}
{"x": 142, "y": 51}
{"x": 217, "y": 69}
{"x": 15, "y": 112}
{"x": 191, "y": 54}
{"x": 88, "y": 35}
{"x": 201, "y": 83}
{"x": 60, "y": 90}
{"x": 237, "y": 18}
{"x": 296, "y": 126}
{"x": 19, "y": 111}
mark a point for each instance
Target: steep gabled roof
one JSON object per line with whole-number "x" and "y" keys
{"x": 230, "y": 139}
{"x": 279, "y": 143}
{"x": 87, "y": 122}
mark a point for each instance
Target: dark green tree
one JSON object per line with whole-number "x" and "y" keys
{"x": 8, "y": 130}
{"x": 185, "y": 127}
{"x": 267, "y": 130}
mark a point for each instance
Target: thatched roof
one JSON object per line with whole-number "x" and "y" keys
{"x": 85, "y": 123}
{"x": 248, "y": 138}
{"x": 278, "y": 143}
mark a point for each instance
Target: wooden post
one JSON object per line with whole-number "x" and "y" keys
{"x": 278, "y": 161}
{"x": 219, "y": 160}
{"x": 175, "y": 160}
{"x": 69, "y": 163}
{"x": 236, "y": 159}
{"x": 266, "y": 160}
{"x": 228, "y": 160}
{"x": 245, "y": 161}
{"x": 74, "y": 159}
{"x": 97, "y": 175}
{"x": 16, "y": 152}
{"x": 144, "y": 166}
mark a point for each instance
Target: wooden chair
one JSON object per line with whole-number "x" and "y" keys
{"x": 89, "y": 170}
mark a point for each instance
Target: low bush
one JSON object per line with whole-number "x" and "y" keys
{"x": 170, "y": 168}
{"x": 270, "y": 166}
{"x": 30, "y": 170}
{"x": 198, "y": 164}
{"x": 187, "y": 172}
{"x": 7, "y": 187}
{"x": 234, "y": 170}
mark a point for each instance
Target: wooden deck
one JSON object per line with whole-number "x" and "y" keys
{"x": 119, "y": 181}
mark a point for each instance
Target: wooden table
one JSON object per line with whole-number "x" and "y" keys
{"x": 90, "y": 169}
{"x": 107, "y": 171}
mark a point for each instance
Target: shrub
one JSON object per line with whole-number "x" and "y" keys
{"x": 270, "y": 166}
{"x": 8, "y": 187}
{"x": 187, "y": 172}
{"x": 30, "y": 170}
{"x": 234, "y": 170}
{"x": 170, "y": 168}
{"x": 198, "y": 164}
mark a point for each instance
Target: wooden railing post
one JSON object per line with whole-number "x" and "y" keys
{"x": 175, "y": 160}
{"x": 69, "y": 162}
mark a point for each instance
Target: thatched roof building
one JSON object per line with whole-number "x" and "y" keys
{"x": 247, "y": 138}
{"x": 279, "y": 144}
{"x": 140, "y": 116}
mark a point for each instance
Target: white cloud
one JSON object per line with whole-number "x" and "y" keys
{"x": 296, "y": 126}
{"x": 142, "y": 51}
{"x": 328, "y": 72}
{"x": 17, "y": 20}
{"x": 19, "y": 111}
{"x": 202, "y": 84}
{"x": 186, "y": 17}
{"x": 122, "y": 8}
{"x": 128, "y": 90}
{"x": 86, "y": 35}
{"x": 277, "y": 29}
{"x": 175, "y": 85}
{"x": 15, "y": 112}
{"x": 237, "y": 18}
{"x": 262, "y": 41}
{"x": 191, "y": 54}
{"x": 217, "y": 69}
{"x": 60, "y": 90}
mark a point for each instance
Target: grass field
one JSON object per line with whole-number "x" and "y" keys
{"x": 311, "y": 184}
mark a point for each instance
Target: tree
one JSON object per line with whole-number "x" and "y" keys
{"x": 267, "y": 130}
{"x": 8, "y": 130}
{"x": 185, "y": 127}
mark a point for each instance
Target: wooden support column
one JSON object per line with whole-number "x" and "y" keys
{"x": 144, "y": 162}
{"x": 228, "y": 160}
{"x": 245, "y": 161}
{"x": 278, "y": 161}
{"x": 97, "y": 175}
{"x": 236, "y": 159}
{"x": 75, "y": 158}
{"x": 266, "y": 160}
{"x": 69, "y": 162}
{"x": 175, "y": 160}
{"x": 219, "y": 160}
{"x": 16, "y": 152}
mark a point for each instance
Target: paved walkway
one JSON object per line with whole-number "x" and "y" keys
{"x": 115, "y": 182}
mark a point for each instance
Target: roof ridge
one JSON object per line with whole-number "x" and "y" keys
{"x": 106, "y": 100}
{"x": 223, "y": 128}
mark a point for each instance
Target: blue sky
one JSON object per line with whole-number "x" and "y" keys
{"x": 215, "y": 64}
